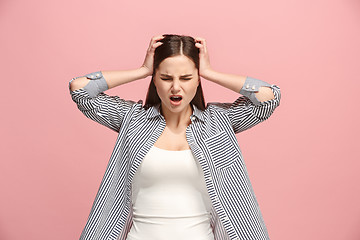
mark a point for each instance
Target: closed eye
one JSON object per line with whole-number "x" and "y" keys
{"x": 165, "y": 79}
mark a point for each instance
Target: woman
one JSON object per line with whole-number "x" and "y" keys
{"x": 176, "y": 171}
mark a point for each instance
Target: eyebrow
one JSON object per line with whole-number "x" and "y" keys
{"x": 186, "y": 75}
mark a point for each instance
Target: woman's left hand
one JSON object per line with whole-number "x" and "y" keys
{"x": 204, "y": 68}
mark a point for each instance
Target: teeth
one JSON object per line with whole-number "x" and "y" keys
{"x": 177, "y": 98}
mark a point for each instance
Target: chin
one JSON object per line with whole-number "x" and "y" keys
{"x": 179, "y": 108}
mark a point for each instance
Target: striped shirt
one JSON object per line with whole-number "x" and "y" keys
{"x": 211, "y": 136}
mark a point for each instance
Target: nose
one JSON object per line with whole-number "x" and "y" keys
{"x": 175, "y": 86}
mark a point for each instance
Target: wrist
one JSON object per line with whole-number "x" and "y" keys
{"x": 144, "y": 72}
{"x": 207, "y": 74}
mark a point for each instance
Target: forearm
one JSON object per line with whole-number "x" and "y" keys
{"x": 116, "y": 78}
{"x": 236, "y": 83}
{"x": 113, "y": 78}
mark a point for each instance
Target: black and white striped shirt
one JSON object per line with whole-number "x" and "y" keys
{"x": 211, "y": 136}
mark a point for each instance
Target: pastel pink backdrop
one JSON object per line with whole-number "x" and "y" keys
{"x": 303, "y": 161}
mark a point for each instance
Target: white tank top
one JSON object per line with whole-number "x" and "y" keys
{"x": 169, "y": 198}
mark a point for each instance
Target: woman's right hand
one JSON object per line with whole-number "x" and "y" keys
{"x": 149, "y": 59}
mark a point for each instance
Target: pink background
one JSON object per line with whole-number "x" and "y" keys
{"x": 303, "y": 161}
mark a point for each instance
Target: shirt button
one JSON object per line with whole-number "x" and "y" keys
{"x": 253, "y": 87}
{"x": 247, "y": 86}
{"x": 97, "y": 74}
{"x": 193, "y": 118}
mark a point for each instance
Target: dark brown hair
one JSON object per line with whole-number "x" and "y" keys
{"x": 174, "y": 45}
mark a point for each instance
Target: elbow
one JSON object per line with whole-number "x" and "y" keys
{"x": 265, "y": 109}
{"x": 265, "y": 94}
{"x": 277, "y": 94}
{"x": 78, "y": 83}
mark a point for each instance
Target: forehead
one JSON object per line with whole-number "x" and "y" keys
{"x": 177, "y": 64}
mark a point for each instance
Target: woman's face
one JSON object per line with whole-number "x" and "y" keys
{"x": 176, "y": 77}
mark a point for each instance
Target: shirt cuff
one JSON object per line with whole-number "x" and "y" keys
{"x": 96, "y": 85}
{"x": 251, "y": 86}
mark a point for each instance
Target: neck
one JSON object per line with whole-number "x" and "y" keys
{"x": 177, "y": 119}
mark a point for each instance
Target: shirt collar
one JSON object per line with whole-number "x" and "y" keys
{"x": 154, "y": 111}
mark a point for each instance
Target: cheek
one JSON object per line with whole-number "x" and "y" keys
{"x": 192, "y": 89}
{"x": 161, "y": 91}
{"x": 196, "y": 84}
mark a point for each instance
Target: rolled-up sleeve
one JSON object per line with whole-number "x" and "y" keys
{"x": 98, "y": 106}
{"x": 247, "y": 111}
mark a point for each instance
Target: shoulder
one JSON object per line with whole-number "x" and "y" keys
{"x": 136, "y": 106}
{"x": 215, "y": 111}
{"x": 220, "y": 107}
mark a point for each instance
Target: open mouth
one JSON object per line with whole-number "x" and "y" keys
{"x": 176, "y": 99}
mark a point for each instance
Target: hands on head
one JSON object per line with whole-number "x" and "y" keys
{"x": 200, "y": 43}
{"x": 149, "y": 58}
{"x": 203, "y": 56}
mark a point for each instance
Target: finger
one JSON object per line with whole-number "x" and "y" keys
{"x": 202, "y": 41}
{"x": 154, "y": 39}
{"x": 158, "y": 37}
{"x": 199, "y": 39}
{"x": 155, "y": 45}
{"x": 202, "y": 48}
